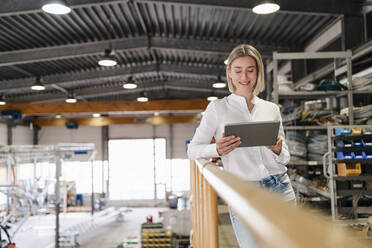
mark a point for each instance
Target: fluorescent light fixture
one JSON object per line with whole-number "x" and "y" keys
{"x": 108, "y": 59}
{"x": 212, "y": 98}
{"x": 219, "y": 85}
{"x": 71, "y": 99}
{"x": 96, "y": 115}
{"x": 266, "y": 7}
{"x": 56, "y": 7}
{"x": 142, "y": 99}
{"x": 58, "y": 116}
{"x": 38, "y": 85}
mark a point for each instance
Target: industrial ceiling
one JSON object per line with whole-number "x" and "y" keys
{"x": 172, "y": 49}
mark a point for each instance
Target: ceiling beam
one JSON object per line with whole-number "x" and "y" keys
{"x": 222, "y": 48}
{"x": 36, "y": 108}
{"x": 311, "y": 7}
{"x": 108, "y": 121}
{"x": 115, "y": 90}
{"x": 117, "y": 73}
{"x": 337, "y": 7}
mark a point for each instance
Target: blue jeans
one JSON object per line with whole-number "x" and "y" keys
{"x": 279, "y": 183}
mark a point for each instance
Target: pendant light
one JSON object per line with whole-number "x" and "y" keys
{"x": 108, "y": 59}
{"x": 219, "y": 83}
{"x": 56, "y": 7}
{"x": 266, "y": 7}
{"x": 142, "y": 97}
{"x": 130, "y": 84}
{"x": 212, "y": 98}
{"x": 38, "y": 85}
{"x": 2, "y": 100}
{"x": 71, "y": 98}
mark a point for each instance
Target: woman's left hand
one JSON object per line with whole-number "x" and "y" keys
{"x": 277, "y": 148}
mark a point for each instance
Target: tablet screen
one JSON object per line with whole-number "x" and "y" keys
{"x": 255, "y": 133}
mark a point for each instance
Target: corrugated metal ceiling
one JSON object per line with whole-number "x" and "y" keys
{"x": 153, "y": 21}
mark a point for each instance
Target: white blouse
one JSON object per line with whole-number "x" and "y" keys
{"x": 250, "y": 163}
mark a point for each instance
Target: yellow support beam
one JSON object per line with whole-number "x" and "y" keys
{"x": 42, "y": 108}
{"x": 107, "y": 121}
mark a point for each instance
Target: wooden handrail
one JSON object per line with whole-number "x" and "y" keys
{"x": 272, "y": 222}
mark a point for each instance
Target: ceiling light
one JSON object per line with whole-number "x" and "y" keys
{"x": 226, "y": 61}
{"x": 58, "y": 116}
{"x": 156, "y": 113}
{"x": 56, "y": 7}
{"x": 2, "y": 100}
{"x": 38, "y": 85}
{"x": 266, "y": 7}
{"x": 142, "y": 99}
{"x": 129, "y": 84}
{"x": 71, "y": 99}
{"x": 108, "y": 59}
{"x": 96, "y": 115}
{"x": 212, "y": 98}
{"x": 219, "y": 85}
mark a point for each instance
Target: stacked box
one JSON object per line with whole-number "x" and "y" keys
{"x": 344, "y": 169}
{"x": 159, "y": 238}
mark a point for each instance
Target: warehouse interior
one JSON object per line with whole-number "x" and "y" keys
{"x": 98, "y": 105}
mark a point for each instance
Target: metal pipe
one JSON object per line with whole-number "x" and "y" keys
{"x": 8, "y": 182}
{"x": 275, "y": 80}
{"x": 154, "y": 158}
{"x": 10, "y": 134}
{"x": 171, "y": 151}
{"x": 57, "y": 193}
{"x": 350, "y": 88}
{"x": 92, "y": 176}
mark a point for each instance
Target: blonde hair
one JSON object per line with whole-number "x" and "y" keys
{"x": 242, "y": 51}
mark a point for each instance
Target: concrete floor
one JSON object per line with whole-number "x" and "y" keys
{"x": 113, "y": 234}
{"x": 38, "y": 231}
{"x": 225, "y": 230}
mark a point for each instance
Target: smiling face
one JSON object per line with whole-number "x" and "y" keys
{"x": 243, "y": 74}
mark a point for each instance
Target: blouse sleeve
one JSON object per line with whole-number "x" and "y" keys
{"x": 284, "y": 156}
{"x": 200, "y": 145}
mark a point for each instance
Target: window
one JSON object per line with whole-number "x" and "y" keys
{"x": 77, "y": 171}
{"x": 132, "y": 168}
{"x": 178, "y": 175}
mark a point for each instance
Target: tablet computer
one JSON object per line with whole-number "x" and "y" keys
{"x": 256, "y": 133}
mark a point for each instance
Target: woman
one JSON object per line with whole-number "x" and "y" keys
{"x": 262, "y": 165}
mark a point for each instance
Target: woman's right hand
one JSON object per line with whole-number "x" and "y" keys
{"x": 227, "y": 144}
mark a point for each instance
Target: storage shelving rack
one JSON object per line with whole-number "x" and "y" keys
{"x": 315, "y": 94}
{"x": 307, "y": 95}
{"x": 330, "y": 171}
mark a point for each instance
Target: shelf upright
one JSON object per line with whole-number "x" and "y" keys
{"x": 330, "y": 171}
